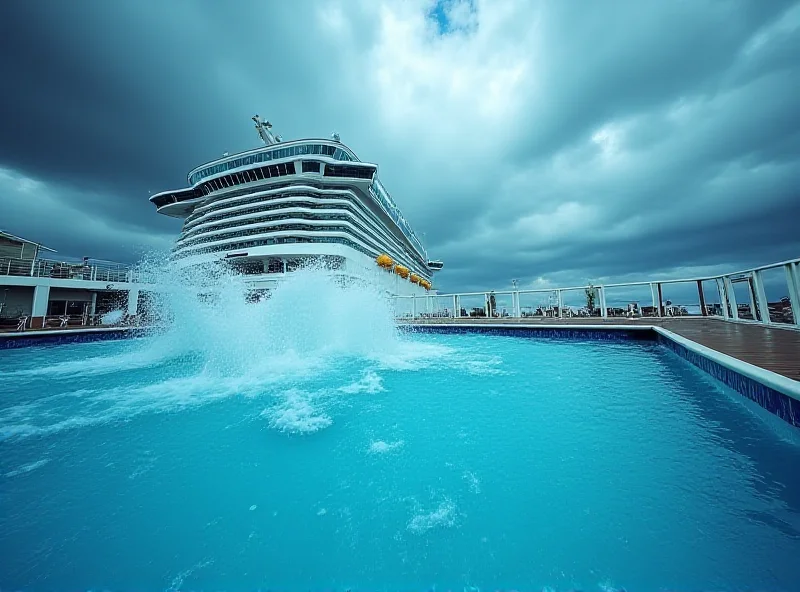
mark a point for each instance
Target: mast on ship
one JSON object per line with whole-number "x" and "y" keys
{"x": 263, "y": 128}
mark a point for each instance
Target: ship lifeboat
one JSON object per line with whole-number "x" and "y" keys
{"x": 425, "y": 284}
{"x": 415, "y": 279}
{"x": 384, "y": 261}
{"x": 401, "y": 270}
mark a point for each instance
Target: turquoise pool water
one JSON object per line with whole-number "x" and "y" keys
{"x": 420, "y": 462}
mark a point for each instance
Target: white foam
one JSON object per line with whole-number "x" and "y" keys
{"x": 112, "y": 317}
{"x": 177, "y": 581}
{"x": 472, "y": 481}
{"x": 410, "y": 354}
{"x": 444, "y": 516}
{"x": 296, "y": 414}
{"x": 381, "y": 447}
{"x": 369, "y": 383}
{"x": 28, "y": 467}
{"x": 140, "y": 357}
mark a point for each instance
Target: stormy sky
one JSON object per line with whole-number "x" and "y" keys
{"x": 551, "y": 141}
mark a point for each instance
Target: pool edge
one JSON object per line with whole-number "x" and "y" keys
{"x": 21, "y": 339}
{"x": 773, "y": 380}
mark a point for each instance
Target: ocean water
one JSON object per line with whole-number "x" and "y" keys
{"x": 299, "y": 445}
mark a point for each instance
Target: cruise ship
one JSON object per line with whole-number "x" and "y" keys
{"x": 270, "y": 210}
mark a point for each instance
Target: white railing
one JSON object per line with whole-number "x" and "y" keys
{"x": 98, "y": 271}
{"x": 25, "y": 322}
{"x": 782, "y": 310}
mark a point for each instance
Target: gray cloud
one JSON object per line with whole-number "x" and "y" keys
{"x": 524, "y": 139}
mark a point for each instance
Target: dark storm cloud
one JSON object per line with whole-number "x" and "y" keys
{"x": 110, "y": 102}
{"x": 533, "y": 139}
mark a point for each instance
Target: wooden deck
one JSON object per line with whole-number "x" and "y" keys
{"x": 773, "y": 349}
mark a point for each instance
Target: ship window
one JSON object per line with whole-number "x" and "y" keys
{"x": 348, "y": 171}
{"x": 310, "y": 166}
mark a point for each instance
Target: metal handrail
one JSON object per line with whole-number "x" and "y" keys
{"x": 758, "y": 307}
{"x": 50, "y": 268}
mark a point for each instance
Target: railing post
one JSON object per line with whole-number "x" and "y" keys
{"x": 560, "y": 305}
{"x": 654, "y": 297}
{"x": 753, "y": 300}
{"x": 731, "y": 298}
{"x": 603, "y": 309}
{"x": 413, "y": 306}
{"x": 33, "y": 265}
{"x": 723, "y": 299}
{"x": 702, "y": 298}
{"x": 761, "y": 297}
{"x": 456, "y": 312}
{"x": 793, "y": 283}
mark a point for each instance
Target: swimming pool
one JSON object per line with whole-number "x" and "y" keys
{"x": 415, "y": 462}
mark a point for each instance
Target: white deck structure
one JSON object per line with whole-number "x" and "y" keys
{"x": 36, "y": 292}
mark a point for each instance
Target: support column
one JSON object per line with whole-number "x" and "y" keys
{"x": 486, "y": 305}
{"x": 661, "y": 311}
{"x": 413, "y": 306}
{"x": 753, "y": 300}
{"x": 41, "y": 296}
{"x": 456, "y": 312}
{"x": 133, "y": 301}
{"x": 761, "y": 297}
{"x": 702, "y": 298}
{"x": 93, "y": 306}
{"x": 560, "y": 305}
{"x": 603, "y": 310}
{"x": 654, "y": 296}
{"x": 723, "y": 298}
{"x": 517, "y": 311}
{"x": 731, "y": 298}
{"x": 793, "y": 284}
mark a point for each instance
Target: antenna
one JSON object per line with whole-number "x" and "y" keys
{"x": 263, "y": 128}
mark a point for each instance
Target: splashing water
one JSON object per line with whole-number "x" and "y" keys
{"x": 112, "y": 317}
{"x": 314, "y": 316}
{"x": 215, "y": 336}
